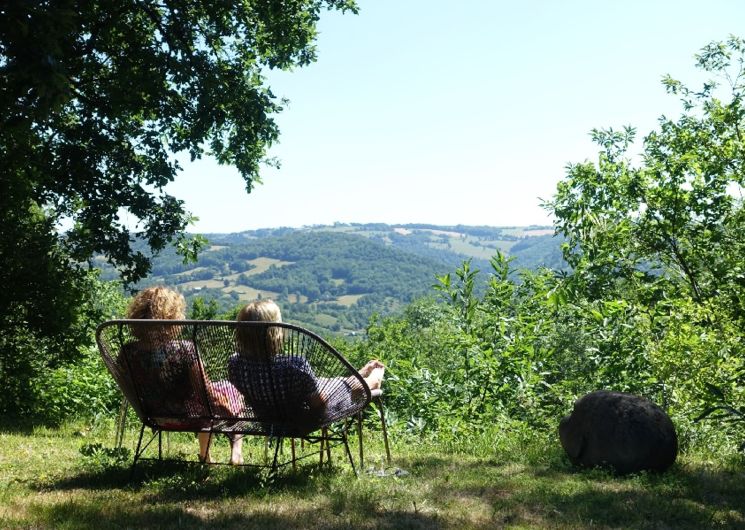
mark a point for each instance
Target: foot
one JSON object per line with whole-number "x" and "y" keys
{"x": 366, "y": 370}
{"x": 375, "y": 379}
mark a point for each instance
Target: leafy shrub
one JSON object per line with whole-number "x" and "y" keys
{"x": 83, "y": 389}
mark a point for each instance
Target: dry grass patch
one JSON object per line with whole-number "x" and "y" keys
{"x": 202, "y": 284}
{"x": 248, "y": 293}
{"x": 262, "y": 265}
{"x": 349, "y": 299}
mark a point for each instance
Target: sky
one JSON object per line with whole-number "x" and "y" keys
{"x": 463, "y": 112}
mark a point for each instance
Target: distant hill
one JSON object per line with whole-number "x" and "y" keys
{"x": 332, "y": 278}
{"x": 531, "y": 246}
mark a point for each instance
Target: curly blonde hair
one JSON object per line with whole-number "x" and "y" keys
{"x": 259, "y": 342}
{"x": 159, "y": 303}
{"x": 156, "y": 303}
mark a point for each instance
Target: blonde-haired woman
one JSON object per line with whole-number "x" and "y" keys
{"x": 287, "y": 382}
{"x": 170, "y": 368}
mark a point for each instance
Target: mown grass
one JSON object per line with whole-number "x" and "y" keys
{"x": 506, "y": 481}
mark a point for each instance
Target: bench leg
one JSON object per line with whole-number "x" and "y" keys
{"x": 349, "y": 453}
{"x": 381, "y": 411}
{"x": 328, "y": 445}
{"x": 121, "y": 423}
{"x": 359, "y": 435}
{"x": 137, "y": 453}
{"x": 276, "y": 456}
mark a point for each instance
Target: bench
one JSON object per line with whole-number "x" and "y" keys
{"x": 182, "y": 376}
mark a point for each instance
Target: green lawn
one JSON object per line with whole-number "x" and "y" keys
{"x": 515, "y": 483}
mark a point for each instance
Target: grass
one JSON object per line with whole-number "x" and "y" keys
{"x": 506, "y": 482}
{"x": 349, "y": 299}
{"x": 262, "y": 264}
{"x": 478, "y": 249}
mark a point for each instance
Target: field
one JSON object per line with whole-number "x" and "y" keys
{"x": 247, "y": 294}
{"x": 349, "y": 299}
{"x": 201, "y": 284}
{"x": 262, "y": 265}
{"x": 491, "y": 482}
{"x": 478, "y": 249}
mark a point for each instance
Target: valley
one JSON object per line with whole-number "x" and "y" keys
{"x": 333, "y": 278}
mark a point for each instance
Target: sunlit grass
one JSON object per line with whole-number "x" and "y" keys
{"x": 498, "y": 481}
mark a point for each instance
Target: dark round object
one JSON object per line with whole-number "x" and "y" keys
{"x": 625, "y": 432}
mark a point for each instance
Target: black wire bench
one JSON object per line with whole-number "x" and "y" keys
{"x": 265, "y": 379}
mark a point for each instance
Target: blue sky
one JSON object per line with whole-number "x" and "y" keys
{"x": 457, "y": 112}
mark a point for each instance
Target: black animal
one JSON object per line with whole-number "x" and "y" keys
{"x": 625, "y": 432}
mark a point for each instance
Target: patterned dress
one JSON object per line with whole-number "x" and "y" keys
{"x": 281, "y": 389}
{"x": 166, "y": 378}
{"x": 285, "y": 389}
{"x": 173, "y": 386}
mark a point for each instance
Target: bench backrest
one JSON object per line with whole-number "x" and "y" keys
{"x": 225, "y": 376}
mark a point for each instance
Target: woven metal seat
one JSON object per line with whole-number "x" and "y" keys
{"x": 202, "y": 376}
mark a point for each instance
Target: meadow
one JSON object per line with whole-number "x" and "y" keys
{"x": 500, "y": 479}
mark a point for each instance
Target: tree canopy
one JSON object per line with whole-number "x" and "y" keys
{"x": 653, "y": 303}
{"x": 673, "y": 221}
{"x": 96, "y": 99}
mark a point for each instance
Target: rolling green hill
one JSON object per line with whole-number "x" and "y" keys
{"x": 333, "y": 278}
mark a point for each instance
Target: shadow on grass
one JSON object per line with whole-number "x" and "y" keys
{"x": 486, "y": 492}
{"x": 562, "y": 495}
{"x": 183, "y": 481}
{"x": 10, "y": 424}
{"x": 82, "y": 516}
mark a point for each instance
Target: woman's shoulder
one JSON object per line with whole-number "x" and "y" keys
{"x": 278, "y": 362}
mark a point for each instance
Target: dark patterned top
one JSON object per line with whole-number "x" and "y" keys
{"x": 166, "y": 379}
{"x": 286, "y": 389}
{"x": 280, "y": 389}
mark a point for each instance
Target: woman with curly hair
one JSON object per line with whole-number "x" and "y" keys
{"x": 169, "y": 367}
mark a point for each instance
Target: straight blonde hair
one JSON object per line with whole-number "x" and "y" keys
{"x": 259, "y": 342}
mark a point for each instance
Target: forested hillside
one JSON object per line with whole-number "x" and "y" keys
{"x": 334, "y": 278}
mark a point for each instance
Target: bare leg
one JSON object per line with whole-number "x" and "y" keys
{"x": 372, "y": 373}
{"x": 204, "y": 446}
{"x": 236, "y": 449}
